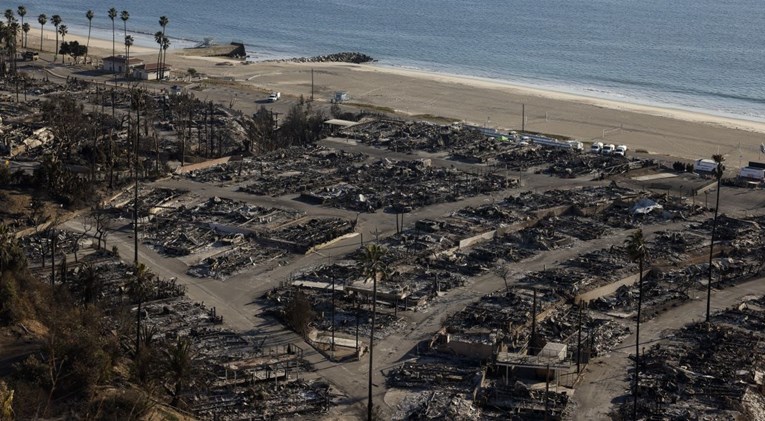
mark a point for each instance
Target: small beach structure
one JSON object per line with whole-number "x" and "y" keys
{"x": 118, "y": 64}
{"x": 150, "y": 71}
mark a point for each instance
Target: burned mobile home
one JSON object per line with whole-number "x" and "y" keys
{"x": 706, "y": 370}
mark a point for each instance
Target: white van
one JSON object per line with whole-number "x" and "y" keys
{"x": 752, "y": 174}
{"x": 596, "y": 147}
{"x": 620, "y": 150}
{"x": 608, "y": 149}
{"x": 704, "y": 166}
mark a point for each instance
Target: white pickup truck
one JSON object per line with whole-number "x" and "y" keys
{"x": 274, "y": 96}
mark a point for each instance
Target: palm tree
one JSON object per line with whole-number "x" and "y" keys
{"x": 165, "y": 46}
{"x": 163, "y": 22}
{"x": 139, "y": 288}
{"x": 42, "y": 19}
{"x": 13, "y": 30}
{"x": 637, "y": 251}
{"x": 128, "y": 43}
{"x": 22, "y": 11}
{"x": 56, "y": 21}
{"x": 9, "y": 16}
{"x": 178, "y": 361}
{"x": 125, "y": 16}
{"x": 25, "y": 27}
{"x": 373, "y": 266}
{"x": 89, "y": 14}
{"x": 63, "y": 30}
{"x": 112, "y": 15}
{"x": 89, "y": 283}
{"x": 158, "y": 40}
{"x": 718, "y": 173}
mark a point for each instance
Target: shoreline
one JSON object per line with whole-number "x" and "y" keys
{"x": 660, "y": 110}
{"x": 488, "y": 102}
{"x": 669, "y": 110}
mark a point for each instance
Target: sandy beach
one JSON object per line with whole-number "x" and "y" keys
{"x": 483, "y": 102}
{"x": 98, "y": 47}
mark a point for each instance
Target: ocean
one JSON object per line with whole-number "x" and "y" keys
{"x": 702, "y": 55}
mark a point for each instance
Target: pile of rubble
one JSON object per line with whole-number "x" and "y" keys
{"x": 518, "y": 400}
{"x": 437, "y": 405}
{"x": 677, "y": 247}
{"x": 504, "y": 316}
{"x": 242, "y": 378}
{"x": 300, "y": 237}
{"x": 563, "y": 280}
{"x": 578, "y": 164}
{"x": 236, "y": 213}
{"x": 402, "y": 185}
{"x": 729, "y": 229}
{"x": 668, "y": 287}
{"x": 609, "y": 264}
{"x": 288, "y": 170}
{"x": 538, "y": 238}
{"x": 584, "y": 229}
{"x": 405, "y": 136}
{"x": 39, "y": 244}
{"x": 654, "y": 209}
{"x": 707, "y": 370}
{"x": 489, "y": 215}
{"x": 524, "y": 158}
{"x": 429, "y": 372}
{"x": 236, "y": 376}
{"x": 231, "y": 261}
{"x": 598, "y": 335}
{"x": 352, "y": 306}
{"x": 449, "y": 385}
{"x": 151, "y": 201}
{"x": 583, "y": 198}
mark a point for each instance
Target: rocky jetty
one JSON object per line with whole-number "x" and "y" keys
{"x": 344, "y": 57}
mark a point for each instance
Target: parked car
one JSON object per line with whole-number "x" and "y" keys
{"x": 620, "y": 150}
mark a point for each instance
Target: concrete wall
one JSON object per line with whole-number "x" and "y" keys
{"x": 469, "y": 349}
{"x": 608, "y": 289}
{"x": 470, "y": 241}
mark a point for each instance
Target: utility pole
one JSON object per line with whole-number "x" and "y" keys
{"x": 358, "y": 310}
{"x": 311, "y": 84}
{"x": 547, "y": 392}
{"x": 135, "y": 173}
{"x": 53, "y": 258}
{"x": 371, "y": 344}
{"x": 718, "y": 174}
{"x": 523, "y": 118}
{"x": 533, "y": 343}
{"x": 579, "y": 341}
{"x": 333, "y": 315}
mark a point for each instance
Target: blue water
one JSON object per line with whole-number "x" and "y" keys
{"x": 706, "y": 55}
